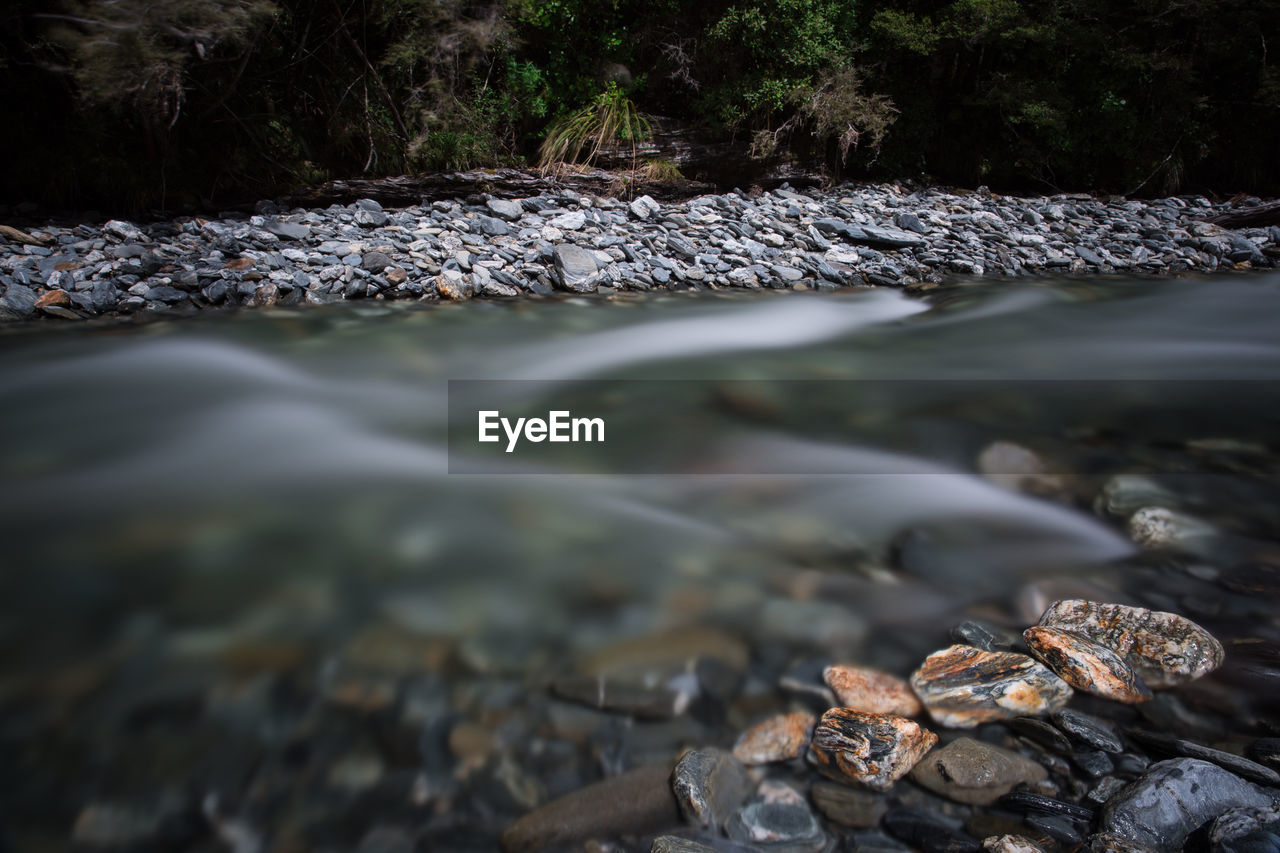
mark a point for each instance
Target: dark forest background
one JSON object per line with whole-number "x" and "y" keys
{"x": 143, "y": 103}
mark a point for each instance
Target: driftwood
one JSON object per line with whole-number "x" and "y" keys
{"x": 708, "y": 165}
{"x": 1261, "y": 216}
{"x": 503, "y": 183}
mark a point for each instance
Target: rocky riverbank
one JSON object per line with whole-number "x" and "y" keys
{"x": 489, "y": 247}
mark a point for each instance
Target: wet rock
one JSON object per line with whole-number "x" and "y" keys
{"x": 983, "y": 635}
{"x": 375, "y": 261}
{"x": 1099, "y": 734}
{"x": 1266, "y": 750}
{"x": 1038, "y": 804}
{"x": 1160, "y": 527}
{"x": 1246, "y": 830}
{"x": 963, "y": 687}
{"x": 872, "y": 750}
{"x": 575, "y": 269}
{"x": 928, "y": 831}
{"x": 676, "y": 844}
{"x": 871, "y": 690}
{"x": 779, "y": 738}
{"x": 1164, "y": 649}
{"x": 710, "y": 785}
{"x": 849, "y": 806}
{"x": 636, "y": 802}
{"x": 1086, "y": 665}
{"x": 976, "y": 773}
{"x": 779, "y": 827}
{"x": 1039, "y": 732}
{"x": 1175, "y": 797}
{"x": 1237, "y": 764}
{"x": 1109, "y": 842}
{"x": 1018, "y": 468}
{"x": 1010, "y": 844}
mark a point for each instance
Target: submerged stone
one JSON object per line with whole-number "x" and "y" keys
{"x": 872, "y": 750}
{"x": 1164, "y": 649}
{"x": 963, "y": 687}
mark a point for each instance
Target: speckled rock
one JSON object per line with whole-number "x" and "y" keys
{"x": 1173, "y": 798}
{"x": 871, "y": 690}
{"x": 872, "y": 750}
{"x": 779, "y": 738}
{"x": 1086, "y": 665}
{"x": 1164, "y": 649}
{"x": 963, "y": 687}
{"x": 970, "y": 771}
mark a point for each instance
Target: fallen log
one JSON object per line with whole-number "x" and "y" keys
{"x": 1260, "y": 216}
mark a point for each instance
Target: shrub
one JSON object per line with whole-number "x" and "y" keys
{"x": 578, "y": 138}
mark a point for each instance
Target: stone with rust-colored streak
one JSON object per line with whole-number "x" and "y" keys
{"x": 779, "y": 738}
{"x": 963, "y": 687}
{"x": 1164, "y": 649}
{"x": 1086, "y": 665}
{"x": 871, "y": 750}
{"x": 871, "y": 690}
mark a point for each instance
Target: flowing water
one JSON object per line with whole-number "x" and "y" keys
{"x": 799, "y": 468}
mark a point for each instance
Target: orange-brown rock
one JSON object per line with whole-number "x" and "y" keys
{"x": 1164, "y": 649}
{"x": 1085, "y": 665}
{"x": 53, "y": 297}
{"x": 871, "y": 750}
{"x": 871, "y": 690}
{"x": 779, "y": 738}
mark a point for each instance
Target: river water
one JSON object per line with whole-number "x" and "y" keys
{"x": 800, "y": 469}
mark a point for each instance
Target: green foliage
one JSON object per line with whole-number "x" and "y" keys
{"x": 610, "y": 120}
{"x": 140, "y": 102}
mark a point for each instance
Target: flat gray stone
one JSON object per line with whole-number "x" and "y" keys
{"x": 710, "y": 785}
{"x": 505, "y": 209}
{"x": 569, "y": 221}
{"x": 490, "y": 225}
{"x": 575, "y": 268}
{"x": 18, "y": 302}
{"x": 288, "y": 230}
{"x": 869, "y": 235}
